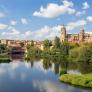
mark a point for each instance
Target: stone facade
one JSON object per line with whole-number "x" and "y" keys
{"x": 81, "y": 37}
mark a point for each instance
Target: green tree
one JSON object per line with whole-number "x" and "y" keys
{"x": 57, "y": 42}
{"x": 73, "y": 54}
{"x": 47, "y": 44}
{"x": 3, "y": 48}
{"x": 65, "y": 48}
{"x": 32, "y": 43}
{"x": 85, "y": 53}
{"x": 82, "y": 54}
{"x": 73, "y": 45}
{"x": 22, "y": 44}
{"x": 34, "y": 51}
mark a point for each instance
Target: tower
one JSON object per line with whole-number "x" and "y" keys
{"x": 63, "y": 36}
{"x": 81, "y": 35}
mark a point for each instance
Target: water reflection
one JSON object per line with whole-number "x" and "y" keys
{"x": 37, "y": 76}
{"x": 16, "y": 57}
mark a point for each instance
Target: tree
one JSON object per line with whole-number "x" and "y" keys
{"x": 65, "y": 48}
{"x": 34, "y": 51}
{"x": 85, "y": 53}
{"x": 3, "y": 48}
{"x": 57, "y": 43}
{"x": 74, "y": 45}
{"x": 73, "y": 54}
{"x": 28, "y": 46}
{"x": 22, "y": 44}
{"x": 47, "y": 44}
{"x": 82, "y": 54}
{"x": 32, "y": 43}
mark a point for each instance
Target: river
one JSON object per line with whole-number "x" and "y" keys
{"x": 36, "y": 76}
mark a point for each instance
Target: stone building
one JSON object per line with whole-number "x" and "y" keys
{"x": 81, "y": 37}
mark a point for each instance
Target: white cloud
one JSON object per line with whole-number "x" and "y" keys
{"x": 80, "y": 13}
{"x": 85, "y": 5}
{"x": 12, "y": 32}
{"x": 24, "y": 21}
{"x": 3, "y": 26}
{"x": 27, "y": 33}
{"x": 53, "y": 10}
{"x": 76, "y": 24}
{"x": 2, "y": 15}
{"x": 13, "y": 22}
{"x": 89, "y": 18}
{"x": 45, "y": 32}
{"x": 89, "y": 33}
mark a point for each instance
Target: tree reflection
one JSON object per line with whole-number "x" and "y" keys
{"x": 56, "y": 68}
{"x": 85, "y": 68}
{"x": 47, "y": 63}
{"x": 61, "y": 66}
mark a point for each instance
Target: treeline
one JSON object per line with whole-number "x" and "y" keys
{"x": 64, "y": 51}
{"x": 4, "y": 53}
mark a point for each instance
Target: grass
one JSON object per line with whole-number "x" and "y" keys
{"x": 77, "y": 80}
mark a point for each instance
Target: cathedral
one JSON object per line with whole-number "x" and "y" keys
{"x": 81, "y": 37}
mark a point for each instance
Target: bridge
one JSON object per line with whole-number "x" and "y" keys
{"x": 16, "y": 50}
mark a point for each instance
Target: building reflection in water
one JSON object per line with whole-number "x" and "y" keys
{"x": 17, "y": 57}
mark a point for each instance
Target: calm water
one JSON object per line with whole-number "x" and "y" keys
{"x": 37, "y": 76}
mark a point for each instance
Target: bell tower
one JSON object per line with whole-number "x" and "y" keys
{"x": 63, "y": 36}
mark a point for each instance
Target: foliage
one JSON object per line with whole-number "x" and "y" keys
{"x": 34, "y": 51}
{"x": 47, "y": 44}
{"x": 32, "y": 43}
{"x": 78, "y": 80}
{"x": 22, "y": 44}
{"x": 63, "y": 71}
{"x": 73, "y": 54}
{"x": 65, "y": 48}
{"x": 3, "y": 48}
{"x": 4, "y": 60}
{"x": 82, "y": 54}
{"x": 57, "y": 42}
{"x": 73, "y": 45}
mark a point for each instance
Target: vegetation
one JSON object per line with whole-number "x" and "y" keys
{"x": 57, "y": 43}
{"x": 78, "y": 80}
{"x": 81, "y": 54}
{"x": 69, "y": 54}
{"x": 4, "y": 60}
{"x": 64, "y": 51}
{"x": 57, "y": 50}
{"x": 4, "y": 53}
{"x": 33, "y": 51}
{"x": 3, "y": 48}
{"x": 47, "y": 44}
{"x": 22, "y": 44}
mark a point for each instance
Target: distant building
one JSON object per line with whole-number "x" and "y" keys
{"x": 81, "y": 37}
{"x": 16, "y": 43}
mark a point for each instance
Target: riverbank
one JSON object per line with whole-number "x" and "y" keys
{"x": 4, "y": 58}
{"x": 84, "y": 80}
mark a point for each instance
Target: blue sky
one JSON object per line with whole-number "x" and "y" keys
{"x": 42, "y": 19}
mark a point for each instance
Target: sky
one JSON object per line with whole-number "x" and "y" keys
{"x": 43, "y": 19}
